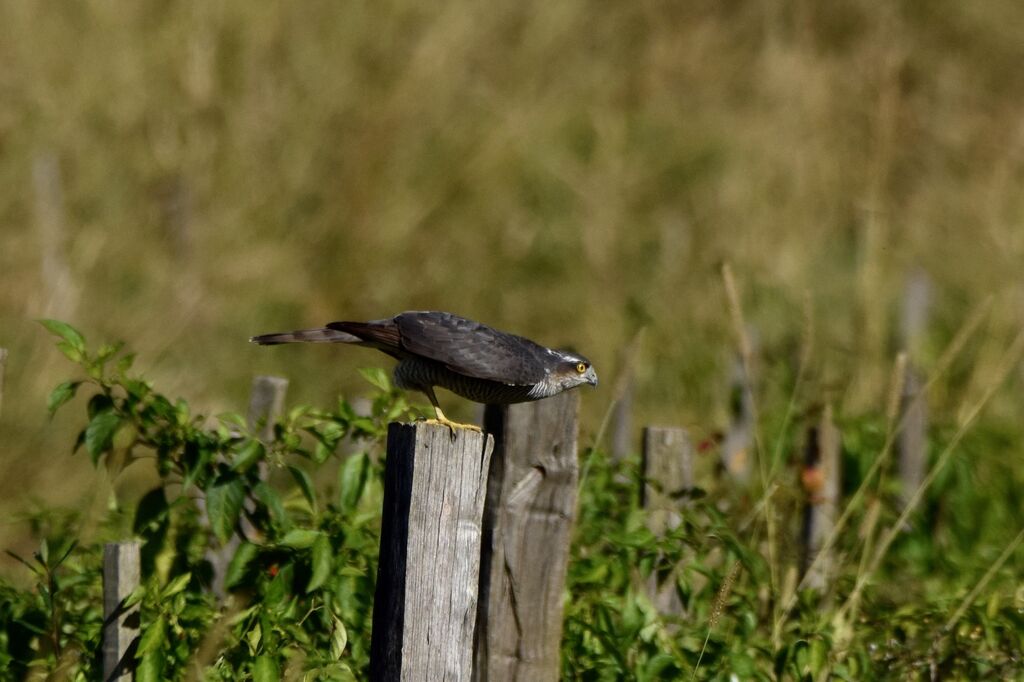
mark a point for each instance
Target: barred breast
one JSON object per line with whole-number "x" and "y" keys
{"x": 417, "y": 374}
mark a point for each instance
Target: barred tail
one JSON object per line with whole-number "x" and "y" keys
{"x": 323, "y": 335}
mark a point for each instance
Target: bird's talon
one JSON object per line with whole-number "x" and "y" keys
{"x": 453, "y": 425}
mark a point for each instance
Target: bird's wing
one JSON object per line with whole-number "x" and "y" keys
{"x": 471, "y": 348}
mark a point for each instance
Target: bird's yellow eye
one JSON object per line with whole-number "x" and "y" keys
{"x": 581, "y": 367}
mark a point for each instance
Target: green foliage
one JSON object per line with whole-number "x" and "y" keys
{"x": 302, "y": 564}
{"x": 300, "y": 577}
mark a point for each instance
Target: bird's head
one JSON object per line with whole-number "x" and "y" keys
{"x": 574, "y": 370}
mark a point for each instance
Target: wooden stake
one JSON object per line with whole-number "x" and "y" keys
{"x": 121, "y": 574}
{"x": 531, "y": 507}
{"x": 821, "y": 479}
{"x": 3, "y": 372}
{"x": 668, "y": 470}
{"x": 424, "y": 610}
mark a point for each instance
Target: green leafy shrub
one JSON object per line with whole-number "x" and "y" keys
{"x": 302, "y": 559}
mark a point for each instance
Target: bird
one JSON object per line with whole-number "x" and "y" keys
{"x": 470, "y": 359}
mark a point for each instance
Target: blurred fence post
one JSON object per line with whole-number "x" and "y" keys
{"x": 622, "y": 422}
{"x": 623, "y": 393}
{"x": 61, "y": 293}
{"x": 3, "y": 373}
{"x": 738, "y": 442}
{"x": 121, "y": 575}
{"x": 435, "y": 481}
{"x": 531, "y": 507}
{"x": 266, "y": 403}
{"x": 821, "y": 478}
{"x": 913, "y": 439}
{"x": 668, "y": 471}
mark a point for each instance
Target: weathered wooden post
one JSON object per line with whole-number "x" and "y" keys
{"x": 913, "y": 439}
{"x": 821, "y": 478}
{"x": 531, "y": 506}
{"x": 623, "y": 393}
{"x": 266, "y": 403}
{"x": 58, "y": 282}
{"x": 3, "y": 372}
{"x": 435, "y": 481}
{"x": 121, "y": 575}
{"x": 668, "y": 469}
{"x": 737, "y": 449}
{"x": 622, "y": 421}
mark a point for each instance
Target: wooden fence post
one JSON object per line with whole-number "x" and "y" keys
{"x": 667, "y": 470}
{"x": 913, "y": 439}
{"x": 622, "y": 422}
{"x": 821, "y": 481}
{"x": 531, "y": 506}
{"x": 121, "y": 575}
{"x": 3, "y": 372}
{"x": 738, "y": 443}
{"x": 424, "y": 609}
{"x": 58, "y": 282}
{"x": 266, "y": 403}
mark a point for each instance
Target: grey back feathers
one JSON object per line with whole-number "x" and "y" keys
{"x": 466, "y": 357}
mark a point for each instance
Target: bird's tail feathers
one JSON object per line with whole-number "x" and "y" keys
{"x": 322, "y": 335}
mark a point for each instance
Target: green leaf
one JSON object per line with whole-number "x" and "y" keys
{"x": 60, "y": 395}
{"x": 251, "y": 452}
{"x": 300, "y": 538}
{"x": 264, "y": 669}
{"x": 323, "y": 560}
{"x": 177, "y": 585}
{"x": 352, "y": 480}
{"x": 100, "y": 432}
{"x": 154, "y": 637}
{"x": 269, "y": 497}
{"x": 151, "y": 667}
{"x": 377, "y": 376}
{"x": 339, "y": 637}
{"x": 239, "y": 565}
{"x": 305, "y": 484}
{"x": 223, "y": 506}
{"x": 65, "y": 331}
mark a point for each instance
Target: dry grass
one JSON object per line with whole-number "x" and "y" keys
{"x": 566, "y": 170}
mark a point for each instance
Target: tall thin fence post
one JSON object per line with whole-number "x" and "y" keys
{"x": 738, "y": 442}
{"x": 58, "y": 282}
{"x": 435, "y": 481}
{"x": 668, "y": 471}
{"x": 913, "y": 439}
{"x": 3, "y": 373}
{"x": 121, "y": 575}
{"x": 623, "y": 394}
{"x": 531, "y": 507}
{"x": 266, "y": 404}
{"x": 622, "y": 422}
{"x": 821, "y": 478}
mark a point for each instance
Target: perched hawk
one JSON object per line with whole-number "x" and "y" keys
{"x": 466, "y": 357}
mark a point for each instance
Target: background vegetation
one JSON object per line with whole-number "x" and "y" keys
{"x": 183, "y": 175}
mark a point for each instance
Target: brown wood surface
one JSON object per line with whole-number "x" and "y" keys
{"x": 821, "y": 479}
{"x": 3, "y": 372}
{"x": 531, "y": 507}
{"x": 424, "y": 609}
{"x": 668, "y": 470}
{"x": 121, "y": 572}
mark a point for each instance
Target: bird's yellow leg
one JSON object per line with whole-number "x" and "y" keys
{"x": 443, "y": 420}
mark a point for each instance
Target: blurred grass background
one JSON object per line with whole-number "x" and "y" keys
{"x": 184, "y": 174}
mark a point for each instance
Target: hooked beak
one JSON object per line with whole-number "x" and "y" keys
{"x": 591, "y": 377}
